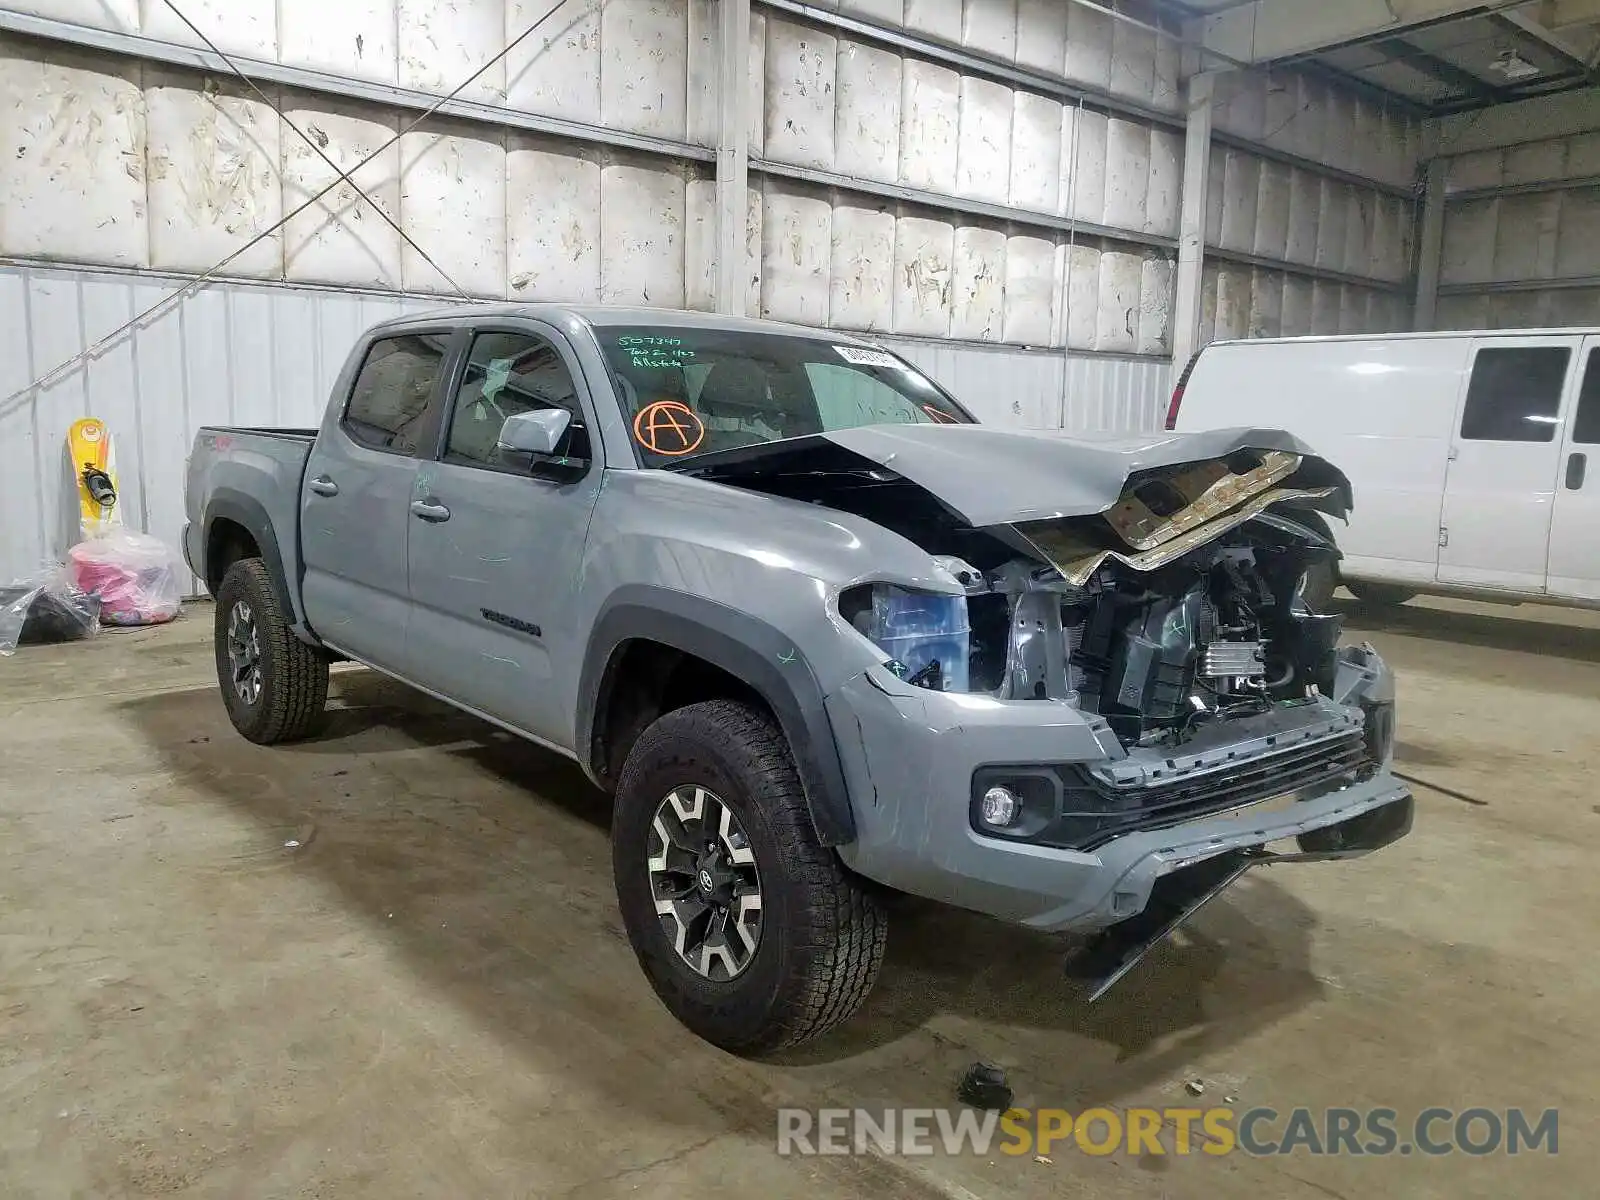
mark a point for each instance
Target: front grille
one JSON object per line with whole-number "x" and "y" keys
{"x": 1096, "y": 810}
{"x": 1074, "y": 807}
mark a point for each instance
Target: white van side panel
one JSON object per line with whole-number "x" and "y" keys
{"x": 1382, "y": 411}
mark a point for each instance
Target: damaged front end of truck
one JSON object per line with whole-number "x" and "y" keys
{"x": 1154, "y": 588}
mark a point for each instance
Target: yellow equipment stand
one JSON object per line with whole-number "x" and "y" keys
{"x": 94, "y": 465}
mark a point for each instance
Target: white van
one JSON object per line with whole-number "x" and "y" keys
{"x": 1468, "y": 452}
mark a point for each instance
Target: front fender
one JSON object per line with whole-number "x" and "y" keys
{"x": 744, "y": 646}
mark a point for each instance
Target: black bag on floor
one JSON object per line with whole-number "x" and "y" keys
{"x": 46, "y": 609}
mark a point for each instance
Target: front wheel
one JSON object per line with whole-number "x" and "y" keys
{"x": 274, "y": 686}
{"x": 750, "y": 930}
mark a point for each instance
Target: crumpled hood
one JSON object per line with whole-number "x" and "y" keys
{"x": 991, "y": 476}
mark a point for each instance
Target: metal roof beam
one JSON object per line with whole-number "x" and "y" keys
{"x": 1554, "y": 116}
{"x": 1268, "y": 30}
{"x": 1397, "y": 49}
{"x": 1564, "y": 14}
{"x": 1579, "y": 46}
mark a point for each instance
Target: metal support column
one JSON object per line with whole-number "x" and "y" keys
{"x": 733, "y": 159}
{"x": 1430, "y": 246}
{"x": 1192, "y": 221}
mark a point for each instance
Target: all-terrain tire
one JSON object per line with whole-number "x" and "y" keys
{"x": 1380, "y": 594}
{"x": 291, "y": 695}
{"x": 823, "y": 932}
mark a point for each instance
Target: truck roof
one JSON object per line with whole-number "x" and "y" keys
{"x": 601, "y": 315}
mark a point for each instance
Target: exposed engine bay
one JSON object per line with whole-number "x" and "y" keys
{"x": 1170, "y": 609}
{"x": 1217, "y": 633}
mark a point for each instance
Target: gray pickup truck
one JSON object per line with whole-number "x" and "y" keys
{"x": 823, "y": 636}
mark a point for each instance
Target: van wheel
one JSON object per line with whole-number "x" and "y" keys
{"x": 749, "y": 929}
{"x": 274, "y": 686}
{"x": 1379, "y": 593}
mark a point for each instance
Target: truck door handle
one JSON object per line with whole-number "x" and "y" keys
{"x": 323, "y": 486}
{"x": 1577, "y": 464}
{"x": 427, "y": 511}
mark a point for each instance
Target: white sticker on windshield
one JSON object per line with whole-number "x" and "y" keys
{"x": 862, "y": 357}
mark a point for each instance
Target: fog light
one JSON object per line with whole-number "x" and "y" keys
{"x": 1380, "y": 731}
{"x": 999, "y": 807}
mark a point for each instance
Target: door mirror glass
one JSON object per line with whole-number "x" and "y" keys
{"x": 537, "y": 432}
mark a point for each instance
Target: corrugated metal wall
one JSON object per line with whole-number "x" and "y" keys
{"x": 1522, "y": 236}
{"x": 1338, "y": 207}
{"x": 1109, "y": 394}
{"x": 860, "y": 112}
{"x": 892, "y": 190}
{"x": 1005, "y": 173}
{"x": 259, "y": 354}
{"x": 233, "y": 353}
{"x": 198, "y": 164}
{"x": 1046, "y": 389}
{"x": 204, "y": 163}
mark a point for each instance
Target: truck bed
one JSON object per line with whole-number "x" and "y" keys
{"x": 287, "y": 432}
{"x": 250, "y": 476}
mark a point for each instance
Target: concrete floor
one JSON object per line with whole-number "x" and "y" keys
{"x": 430, "y": 995}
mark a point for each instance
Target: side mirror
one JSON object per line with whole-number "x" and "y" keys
{"x": 538, "y": 432}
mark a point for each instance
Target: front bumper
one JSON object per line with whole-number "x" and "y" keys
{"x": 909, "y": 757}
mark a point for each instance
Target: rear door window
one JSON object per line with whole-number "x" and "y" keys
{"x": 1515, "y": 394}
{"x": 1586, "y": 422}
{"x": 396, "y": 392}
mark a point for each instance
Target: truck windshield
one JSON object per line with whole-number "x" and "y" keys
{"x": 687, "y": 391}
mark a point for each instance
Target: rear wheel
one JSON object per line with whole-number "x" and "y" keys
{"x": 749, "y": 929}
{"x": 1378, "y": 593}
{"x": 275, "y": 687}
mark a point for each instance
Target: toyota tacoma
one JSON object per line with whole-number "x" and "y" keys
{"x": 823, "y": 635}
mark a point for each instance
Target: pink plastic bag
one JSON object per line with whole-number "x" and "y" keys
{"x": 132, "y": 574}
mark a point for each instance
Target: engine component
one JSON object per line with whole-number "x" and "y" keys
{"x": 1215, "y": 635}
{"x": 1140, "y": 655}
{"x": 1044, "y": 630}
{"x": 1311, "y": 643}
{"x": 1234, "y": 660}
{"x": 1037, "y": 667}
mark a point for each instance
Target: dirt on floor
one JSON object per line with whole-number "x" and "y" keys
{"x": 389, "y": 963}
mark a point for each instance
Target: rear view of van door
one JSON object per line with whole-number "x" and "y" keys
{"x": 1575, "y": 526}
{"x": 1506, "y": 463}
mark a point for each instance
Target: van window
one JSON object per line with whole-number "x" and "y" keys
{"x": 395, "y": 391}
{"x": 1515, "y": 394}
{"x": 1586, "y": 425}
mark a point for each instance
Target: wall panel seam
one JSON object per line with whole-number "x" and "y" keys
{"x": 144, "y": 49}
{"x": 979, "y": 64}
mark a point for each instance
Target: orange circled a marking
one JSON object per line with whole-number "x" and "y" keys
{"x": 669, "y": 428}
